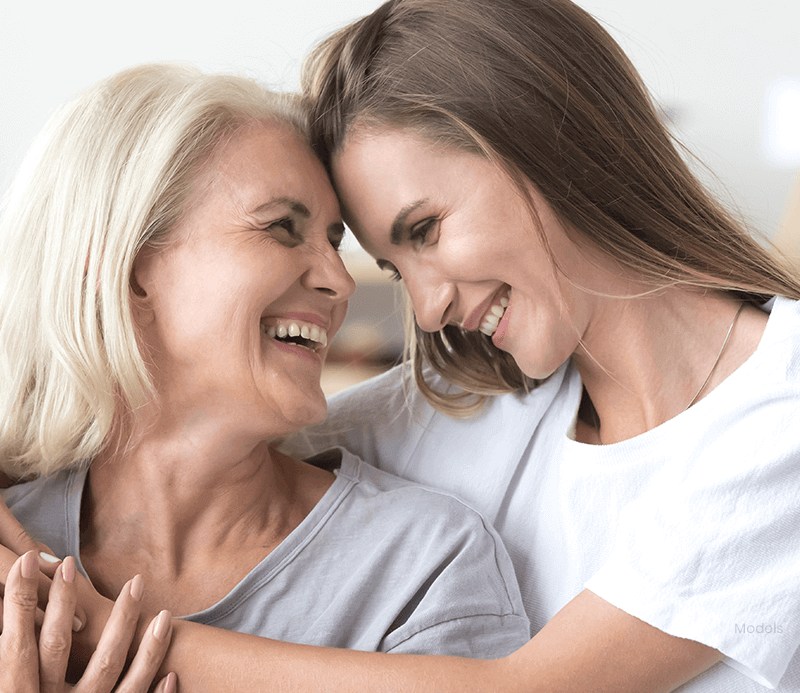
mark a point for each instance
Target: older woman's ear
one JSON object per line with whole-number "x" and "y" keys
{"x": 141, "y": 304}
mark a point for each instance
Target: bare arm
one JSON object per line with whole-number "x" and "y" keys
{"x": 588, "y": 646}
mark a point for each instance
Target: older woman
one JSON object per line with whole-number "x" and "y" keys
{"x": 171, "y": 285}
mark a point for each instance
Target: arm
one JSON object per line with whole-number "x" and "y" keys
{"x": 588, "y": 646}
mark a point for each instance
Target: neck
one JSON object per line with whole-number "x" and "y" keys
{"x": 643, "y": 360}
{"x": 182, "y": 500}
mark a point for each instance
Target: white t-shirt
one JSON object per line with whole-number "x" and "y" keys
{"x": 693, "y": 527}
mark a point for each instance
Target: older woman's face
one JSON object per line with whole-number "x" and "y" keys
{"x": 253, "y": 261}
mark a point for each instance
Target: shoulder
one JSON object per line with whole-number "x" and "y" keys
{"x": 434, "y": 527}
{"x": 461, "y": 593}
{"x": 412, "y": 507}
{"x": 33, "y": 493}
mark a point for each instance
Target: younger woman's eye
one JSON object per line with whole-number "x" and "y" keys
{"x": 421, "y": 233}
{"x": 389, "y": 267}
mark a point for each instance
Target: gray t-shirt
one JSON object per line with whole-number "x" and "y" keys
{"x": 379, "y": 564}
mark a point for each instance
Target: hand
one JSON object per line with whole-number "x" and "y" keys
{"x": 14, "y": 541}
{"x": 30, "y": 667}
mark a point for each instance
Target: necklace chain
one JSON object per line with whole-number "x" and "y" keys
{"x": 719, "y": 356}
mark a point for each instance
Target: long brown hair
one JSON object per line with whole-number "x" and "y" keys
{"x": 541, "y": 88}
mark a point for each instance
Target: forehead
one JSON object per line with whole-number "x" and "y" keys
{"x": 262, "y": 160}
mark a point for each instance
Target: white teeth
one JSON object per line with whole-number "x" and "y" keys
{"x": 310, "y": 332}
{"x": 492, "y": 319}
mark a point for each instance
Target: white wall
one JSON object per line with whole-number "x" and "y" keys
{"x": 713, "y": 61}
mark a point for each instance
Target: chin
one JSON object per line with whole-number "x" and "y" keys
{"x": 537, "y": 369}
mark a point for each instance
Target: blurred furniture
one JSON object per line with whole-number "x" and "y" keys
{"x": 787, "y": 237}
{"x": 371, "y": 338}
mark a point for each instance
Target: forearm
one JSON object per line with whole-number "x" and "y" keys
{"x": 208, "y": 659}
{"x": 589, "y": 647}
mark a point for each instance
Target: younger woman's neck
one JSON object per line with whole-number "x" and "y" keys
{"x": 643, "y": 360}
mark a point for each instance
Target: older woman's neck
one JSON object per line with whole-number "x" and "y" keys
{"x": 180, "y": 504}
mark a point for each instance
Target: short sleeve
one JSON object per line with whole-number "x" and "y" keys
{"x": 486, "y": 636}
{"x": 712, "y": 551}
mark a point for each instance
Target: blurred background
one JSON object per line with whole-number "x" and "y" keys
{"x": 725, "y": 72}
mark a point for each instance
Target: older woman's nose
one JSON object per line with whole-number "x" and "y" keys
{"x": 328, "y": 274}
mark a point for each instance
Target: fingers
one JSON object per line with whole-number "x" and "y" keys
{"x": 109, "y": 658}
{"x": 149, "y": 657}
{"x": 7, "y": 559}
{"x": 169, "y": 684}
{"x": 19, "y": 655}
{"x": 13, "y": 535}
{"x": 55, "y": 638}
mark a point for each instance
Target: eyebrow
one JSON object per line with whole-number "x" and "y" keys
{"x": 294, "y": 205}
{"x": 398, "y": 226}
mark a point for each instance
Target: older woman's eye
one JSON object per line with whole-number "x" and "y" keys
{"x": 285, "y": 231}
{"x": 336, "y": 241}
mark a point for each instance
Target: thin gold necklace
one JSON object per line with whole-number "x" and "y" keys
{"x": 719, "y": 356}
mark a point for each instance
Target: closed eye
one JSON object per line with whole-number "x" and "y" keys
{"x": 389, "y": 267}
{"x": 422, "y": 233}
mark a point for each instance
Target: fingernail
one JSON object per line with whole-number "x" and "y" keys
{"x": 68, "y": 569}
{"x": 30, "y": 566}
{"x": 161, "y": 625}
{"x": 169, "y": 684}
{"x": 77, "y": 624}
{"x": 137, "y": 588}
{"x": 49, "y": 558}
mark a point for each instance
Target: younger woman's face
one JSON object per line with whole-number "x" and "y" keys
{"x": 459, "y": 234}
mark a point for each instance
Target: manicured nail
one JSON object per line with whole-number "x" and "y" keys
{"x": 161, "y": 625}
{"x": 30, "y": 565}
{"x": 77, "y": 624}
{"x": 68, "y": 569}
{"x": 137, "y": 588}
{"x": 169, "y": 684}
{"x": 49, "y": 558}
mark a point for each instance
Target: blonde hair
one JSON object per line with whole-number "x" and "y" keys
{"x": 110, "y": 174}
{"x": 539, "y": 87}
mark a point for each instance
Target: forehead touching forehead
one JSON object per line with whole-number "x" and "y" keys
{"x": 260, "y": 159}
